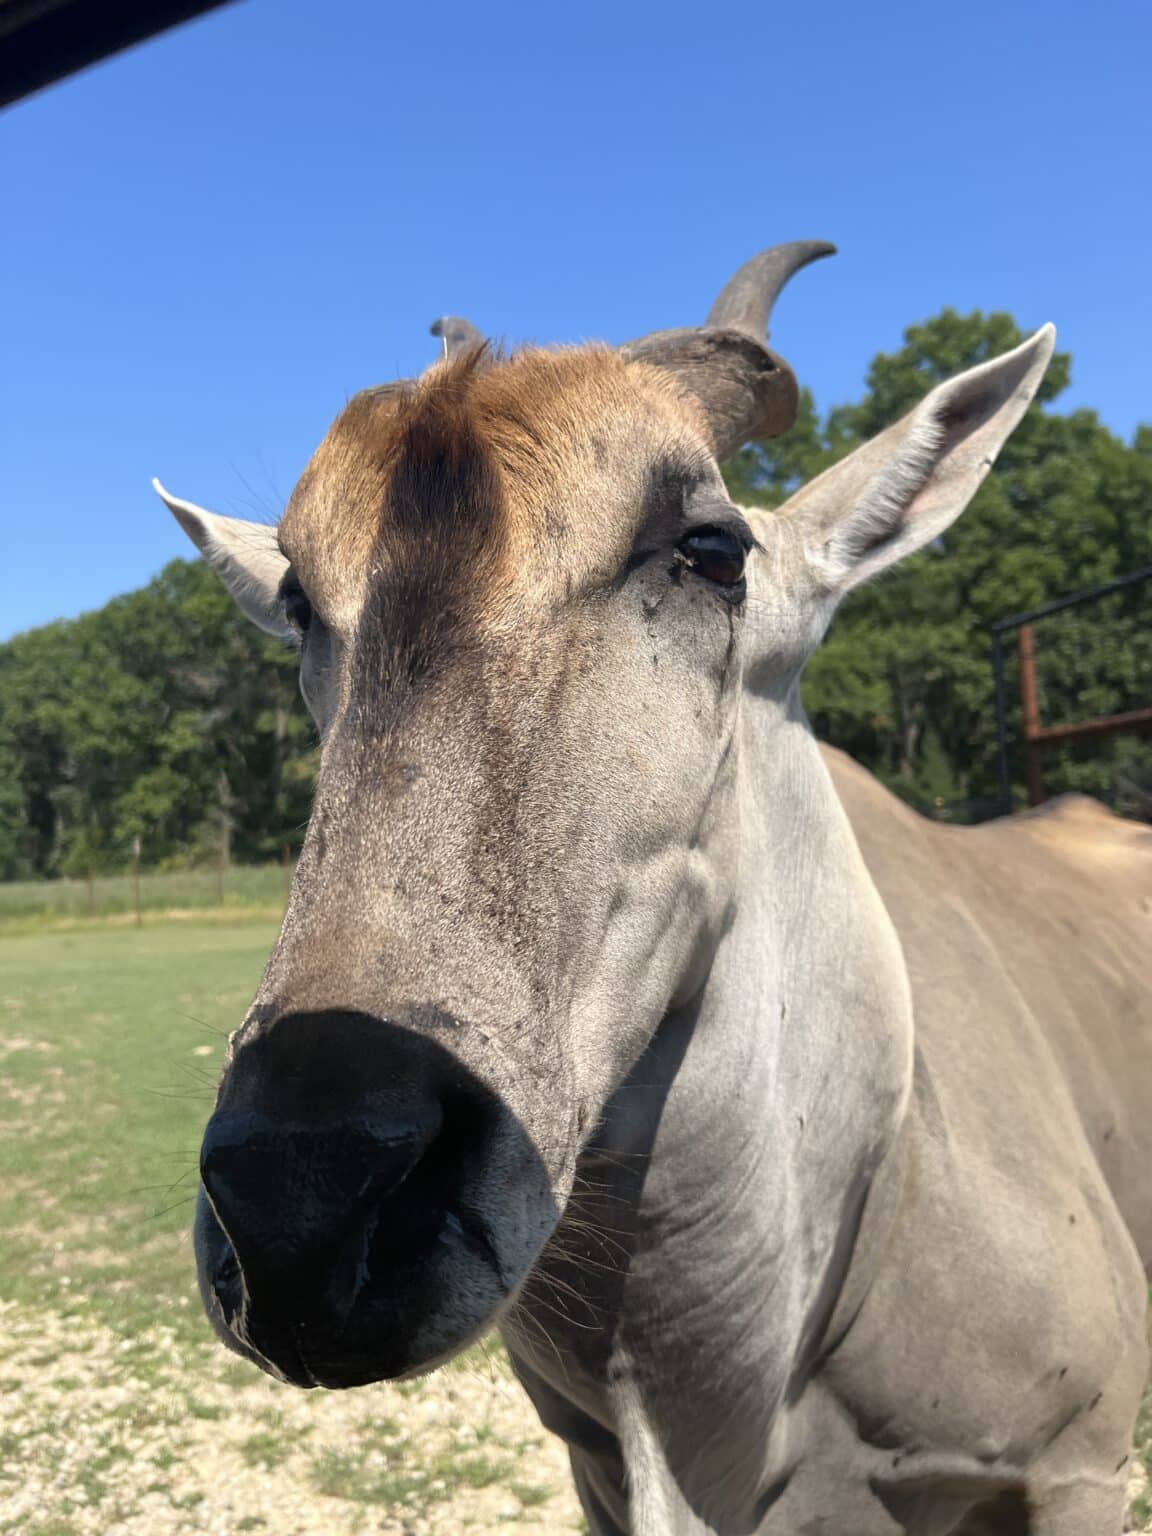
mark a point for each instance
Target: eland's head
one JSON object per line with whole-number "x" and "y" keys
{"x": 535, "y": 633}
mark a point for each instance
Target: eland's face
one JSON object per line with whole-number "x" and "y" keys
{"x": 520, "y": 593}
{"x": 521, "y": 596}
{"x": 537, "y": 638}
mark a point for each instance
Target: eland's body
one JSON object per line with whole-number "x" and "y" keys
{"x": 798, "y": 1147}
{"x": 951, "y": 1338}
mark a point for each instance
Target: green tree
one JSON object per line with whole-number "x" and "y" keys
{"x": 903, "y": 680}
{"x": 164, "y": 715}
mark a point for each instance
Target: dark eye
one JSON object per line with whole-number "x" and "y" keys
{"x": 714, "y": 553}
{"x": 297, "y": 608}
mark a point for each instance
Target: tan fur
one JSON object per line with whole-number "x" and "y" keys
{"x": 567, "y": 437}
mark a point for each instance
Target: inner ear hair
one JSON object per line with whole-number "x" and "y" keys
{"x": 886, "y": 502}
{"x": 901, "y": 490}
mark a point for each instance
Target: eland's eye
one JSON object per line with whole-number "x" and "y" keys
{"x": 714, "y": 553}
{"x": 297, "y": 608}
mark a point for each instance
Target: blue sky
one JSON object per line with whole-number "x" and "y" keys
{"x": 210, "y": 241}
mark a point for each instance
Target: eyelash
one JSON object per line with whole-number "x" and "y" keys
{"x": 297, "y": 608}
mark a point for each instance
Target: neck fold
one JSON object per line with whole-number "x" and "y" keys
{"x": 743, "y": 1175}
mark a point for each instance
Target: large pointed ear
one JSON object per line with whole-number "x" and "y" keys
{"x": 245, "y": 556}
{"x": 901, "y": 490}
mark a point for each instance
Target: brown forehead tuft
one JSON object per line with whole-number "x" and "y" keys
{"x": 480, "y": 457}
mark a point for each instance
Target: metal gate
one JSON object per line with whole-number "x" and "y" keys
{"x": 1037, "y": 736}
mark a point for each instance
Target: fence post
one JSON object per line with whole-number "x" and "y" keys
{"x": 136, "y": 880}
{"x": 1003, "y": 773}
{"x": 224, "y": 847}
{"x": 1030, "y": 710}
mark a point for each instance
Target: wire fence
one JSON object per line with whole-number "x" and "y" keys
{"x": 135, "y": 894}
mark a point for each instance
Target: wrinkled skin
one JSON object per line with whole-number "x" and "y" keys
{"x": 445, "y": 884}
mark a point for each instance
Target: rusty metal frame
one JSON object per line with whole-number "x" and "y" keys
{"x": 1036, "y": 735}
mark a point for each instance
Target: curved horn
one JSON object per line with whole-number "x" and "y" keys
{"x": 745, "y": 301}
{"x": 457, "y": 334}
{"x": 746, "y": 390}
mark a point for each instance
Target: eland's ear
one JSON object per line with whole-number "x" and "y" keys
{"x": 245, "y": 556}
{"x": 901, "y": 490}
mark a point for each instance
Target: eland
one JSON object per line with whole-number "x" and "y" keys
{"x": 800, "y": 1149}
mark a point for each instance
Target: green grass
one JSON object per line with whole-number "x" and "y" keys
{"x": 392, "y": 1472}
{"x": 1142, "y": 1451}
{"x": 531, "y": 1495}
{"x": 266, "y": 1449}
{"x": 383, "y": 1477}
{"x": 53, "y": 901}
{"x": 110, "y": 1043}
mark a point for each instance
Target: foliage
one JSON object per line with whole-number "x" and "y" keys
{"x": 904, "y": 679}
{"x": 163, "y": 716}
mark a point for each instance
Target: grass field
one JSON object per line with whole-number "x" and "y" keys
{"x": 118, "y": 1414}
{"x": 36, "y": 903}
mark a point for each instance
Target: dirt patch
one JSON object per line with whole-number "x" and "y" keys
{"x": 101, "y": 1436}
{"x": 32, "y": 1095}
{"x": 9, "y": 1044}
{"x": 36, "y": 923}
{"x": 106, "y": 1436}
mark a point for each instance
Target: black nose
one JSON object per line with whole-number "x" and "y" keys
{"x": 302, "y": 1195}
{"x": 335, "y": 1157}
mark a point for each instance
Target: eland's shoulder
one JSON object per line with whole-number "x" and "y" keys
{"x": 1027, "y": 941}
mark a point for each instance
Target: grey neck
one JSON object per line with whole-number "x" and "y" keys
{"x": 715, "y": 1232}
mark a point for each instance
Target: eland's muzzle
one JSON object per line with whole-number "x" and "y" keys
{"x": 335, "y": 1196}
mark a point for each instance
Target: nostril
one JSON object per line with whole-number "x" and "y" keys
{"x": 430, "y": 1197}
{"x": 228, "y": 1269}
{"x": 377, "y": 1187}
{"x": 293, "y": 1188}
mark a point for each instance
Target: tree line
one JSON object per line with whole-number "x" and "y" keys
{"x": 165, "y": 716}
{"x": 904, "y": 679}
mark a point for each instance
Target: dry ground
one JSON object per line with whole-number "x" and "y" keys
{"x": 119, "y": 1416}
{"x": 104, "y": 1436}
